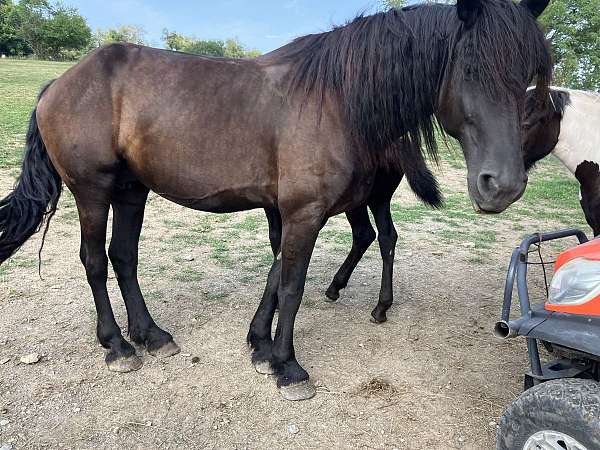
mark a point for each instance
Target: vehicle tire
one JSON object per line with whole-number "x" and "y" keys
{"x": 557, "y": 411}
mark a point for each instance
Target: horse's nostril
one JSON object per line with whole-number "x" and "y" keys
{"x": 487, "y": 184}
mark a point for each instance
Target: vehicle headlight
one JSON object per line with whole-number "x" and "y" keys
{"x": 575, "y": 283}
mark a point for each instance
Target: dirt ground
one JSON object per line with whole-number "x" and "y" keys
{"x": 432, "y": 377}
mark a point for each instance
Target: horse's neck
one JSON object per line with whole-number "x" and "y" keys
{"x": 579, "y": 138}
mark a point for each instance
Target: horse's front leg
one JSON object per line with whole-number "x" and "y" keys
{"x": 387, "y": 237}
{"x": 363, "y": 236}
{"x": 300, "y": 231}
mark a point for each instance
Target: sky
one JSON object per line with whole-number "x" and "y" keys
{"x": 260, "y": 24}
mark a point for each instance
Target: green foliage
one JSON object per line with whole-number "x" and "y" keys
{"x": 66, "y": 31}
{"x": 389, "y": 4}
{"x": 126, "y": 33}
{"x": 49, "y": 31}
{"x": 231, "y": 48}
{"x": 10, "y": 41}
{"x": 175, "y": 41}
{"x": 575, "y": 29}
{"x": 206, "y": 47}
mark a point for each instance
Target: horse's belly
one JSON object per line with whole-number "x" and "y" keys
{"x": 226, "y": 201}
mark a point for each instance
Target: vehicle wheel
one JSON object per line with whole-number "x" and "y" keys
{"x": 557, "y": 415}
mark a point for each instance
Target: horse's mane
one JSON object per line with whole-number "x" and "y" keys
{"x": 555, "y": 100}
{"x": 387, "y": 68}
{"x": 560, "y": 100}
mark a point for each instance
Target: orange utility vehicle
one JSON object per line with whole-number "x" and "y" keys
{"x": 560, "y": 408}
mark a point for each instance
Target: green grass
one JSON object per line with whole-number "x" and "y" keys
{"x": 186, "y": 275}
{"x": 250, "y": 223}
{"x": 20, "y": 83}
{"x": 340, "y": 237}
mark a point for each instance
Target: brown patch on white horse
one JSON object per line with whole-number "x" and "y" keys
{"x": 588, "y": 175}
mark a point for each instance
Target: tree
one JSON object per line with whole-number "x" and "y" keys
{"x": 175, "y": 41}
{"x": 231, "y": 48}
{"x": 10, "y": 41}
{"x": 31, "y": 16}
{"x": 207, "y": 48}
{"x": 389, "y": 4}
{"x": 47, "y": 30}
{"x": 574, "y": 27}
{"x": 66, "y": 31}
{"x": 234, "y": 49}
{"x": 125, "y": 33}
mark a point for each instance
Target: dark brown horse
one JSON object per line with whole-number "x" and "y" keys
{"x": 302, "y": 130}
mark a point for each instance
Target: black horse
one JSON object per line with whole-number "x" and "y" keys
{"x": 304, "y": 130}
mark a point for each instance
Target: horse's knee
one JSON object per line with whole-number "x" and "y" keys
{"x": 364, "y": 237}
{"x": 387, "y": 243}
{"x": 124, "y": 262}
{"x": 96, "y": 266}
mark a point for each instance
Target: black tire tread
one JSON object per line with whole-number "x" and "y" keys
{"x": 568, "y": 405}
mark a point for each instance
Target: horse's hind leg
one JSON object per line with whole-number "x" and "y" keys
{"x": 387, "y": 245}
{"x": 259, "y": 337}
{"x": 363, "y": 236}
{"x": 128, "y": 204}
{"x": 93, "y": 209}
{"x": 275, "y": 228}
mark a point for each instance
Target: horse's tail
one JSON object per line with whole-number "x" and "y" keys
{"x": 423, "y": 182}
{"x": 34, "y": 198}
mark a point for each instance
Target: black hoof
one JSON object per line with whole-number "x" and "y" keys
{"x": 157, "y": 342}
{"x": 122, "y": 358}
{"x": 378, "y": 316}
{"x": 261, "y": 354}
{"x": 293, "y": 381}
{"x": 332, "y": 294}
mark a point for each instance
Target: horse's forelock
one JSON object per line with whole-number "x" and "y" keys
{"x": 504, "y": 50}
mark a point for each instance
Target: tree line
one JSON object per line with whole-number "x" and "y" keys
{"x": 47, "y": 30}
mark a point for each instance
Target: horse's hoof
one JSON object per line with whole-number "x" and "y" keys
{"x": 332, "y": 295}
{"x": 378, "y": 317}
{"x": 166, "y": 351}
{"x": 125, "y": 365}
{"x": 378, "y": 321}
{"x": 304, "y": 390}
{"x": 263, "y": 367}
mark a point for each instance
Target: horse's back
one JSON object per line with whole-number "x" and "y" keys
{"x": 177, "y": 121}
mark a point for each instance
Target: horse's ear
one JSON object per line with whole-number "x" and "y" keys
{"x": 468, "y": 11}
{"x": 536, "y": 7}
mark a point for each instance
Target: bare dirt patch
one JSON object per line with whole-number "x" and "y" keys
{"x": 432, "y": 377}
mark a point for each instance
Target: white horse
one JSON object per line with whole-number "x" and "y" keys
{"x": 569, "y": 127}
